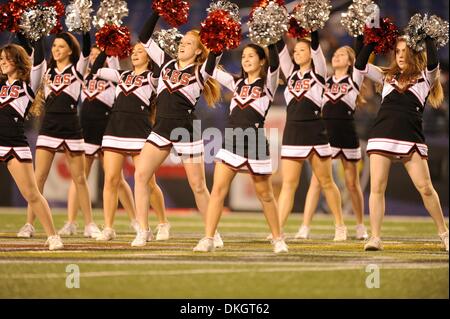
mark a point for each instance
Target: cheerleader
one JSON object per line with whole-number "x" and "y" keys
{"x": 181, "y": 83}
{"x": 125, "y": 135}
{"x": 340, "y": 100}
{"x": 411, "y": 80}
{"x": 253, "y": 94}
{"x": 97, "y": 99}
{"x": 61, "y": 130}
{"x": 305, "y": 136}
{"x": 19, "y": 81}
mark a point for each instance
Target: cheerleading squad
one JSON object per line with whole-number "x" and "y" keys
{"x": 133, "y": 113}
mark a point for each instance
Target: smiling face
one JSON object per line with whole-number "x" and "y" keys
{"x": 302, "y": 53}
{"x": 251, "y": 63}
{"x": 189, "y": 48}
{"x": 139, "y": 57}
{"x": 61, "y": 50}
{"x": 340, "y": 59}
{"x": 7, "y": 66}
{"x": 401, "y": 55}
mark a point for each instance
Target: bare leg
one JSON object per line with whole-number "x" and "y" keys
{"x": 43, "y": 163}
{"x": 73, "y": 203}
{"x": 264, "y": 191}
{"x": 223, "y": 176}
{"x": 323, "y": 171}
{"x": 354, "y": 188}
{"x": 291, "y": 171}
{"x": 150, "y": 159}
{"x": 312, "y": 199}
{"x": 23, "y": 175}
{"x": 417, "y": 169}
{"x": 113, "y": 163}
{"x": 379, "y": 173}
{"x": 195, "y": 171}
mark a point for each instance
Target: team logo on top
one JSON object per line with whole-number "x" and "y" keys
{"x": 300, "y": 87}
{"x": 8, "y": 93}
{"x": 93, "y": 88}
{"x": 176, "y": 80}
{"x": 129, "y": 83}
{"x": 336, "y": 91}
{"x": 393, "y": 81}
{"x": 59, "y": 82}
{"x": 247, "y": 95}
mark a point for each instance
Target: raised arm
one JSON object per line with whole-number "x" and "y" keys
{"x": 208, "y": 67}
{"x": 274, "y": 69}
{"x": 374, "y": 73}
{"x": 153, "y": 50}
{"x": 83, "y": 61}
{"x": 39, "y": 65}
{"x": 24, "y": 43}
{"x": 287, "y": 66}
{"x": 225, "y": 79}
{"x": 99, "y": 62}
{"x": 432, "y": 72}
{"x": 320, "y": 64}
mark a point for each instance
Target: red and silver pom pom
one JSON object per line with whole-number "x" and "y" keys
{"x": 78, "y": 16}
{"x": 38, "y": 22}
{"x": 312, "y": 14}
{"x": 11, "y": 13}
{"x": 268, "y": 24}
{"x": 356, "y": 17}
{"x": 385, "y": 36}
{"x": 114, "y": 40}
{"x": 174, "y": 12}
{"x": 168, "y": 40}
{"x": 295, "y": 30}
{"x": 60, "y": 11}
{"x": 263, "y": 4}
{"x": 221, "y": 31}
{"x": 110, "y": 12}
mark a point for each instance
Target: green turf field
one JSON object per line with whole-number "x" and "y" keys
{"x": 413, "y": 264}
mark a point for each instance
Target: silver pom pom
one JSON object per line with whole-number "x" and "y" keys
{"x": 268, "y": 24}
{"x": 110, "y": 12}
{"x": 355, "y": 18}
{"x": 420, "y": 27}
{"x": 168, "y": 40}
{"x": 38, "y": 21}
{"x": 415, "y": 32}
{"x": 437, "y": 29}
{"x": 78, "y": 16}
{"x": 225, "y": 5}
{"x": 313, "y": 14}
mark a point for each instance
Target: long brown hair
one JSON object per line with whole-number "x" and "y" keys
{"x": 360, "y": 100}
{"x": 416, "y": 63}
{"x": 74, "y": 46}
{"x": 211, "y": 91}
{"x": 262, "y": 54}
{"x": 17, "y": 55}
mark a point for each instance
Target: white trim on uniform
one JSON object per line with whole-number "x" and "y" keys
{"x": 181, "y": 148}
{"x": 123, "y": 143}
{"x": 22, "y": 153}
{"x": 256, "y": 167}
{"x": 395, "y": 147}
{"x": 91, "y": 149}
{"x": 350, "y": 154}
{"x": 303, "y": 152}
{"x": 57, "y": 144}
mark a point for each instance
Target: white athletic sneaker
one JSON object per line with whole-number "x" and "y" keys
{"x": 361, "y": 232}
{"x": 91, "y": 230}
{"x": 68, "y": 229}
{"x": 303, "y": 232}
{"x": 142, "y": 237}
{"x": 54, "y": 242}
{"x": 340, "y": 233}
{"x": 444, "y": 238}
{"x": 205, "y": 245}
{"x": 218, "y": 242}
{"x": 373, "y": 244}
{"x": 135, "y": 225}
{"x": 270, "y": 237}
{"x": 27, "y": 231}
{"x": 106, "y": 234}
{"x": 279, "y": 246}
{"x": 163, "y": 231}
